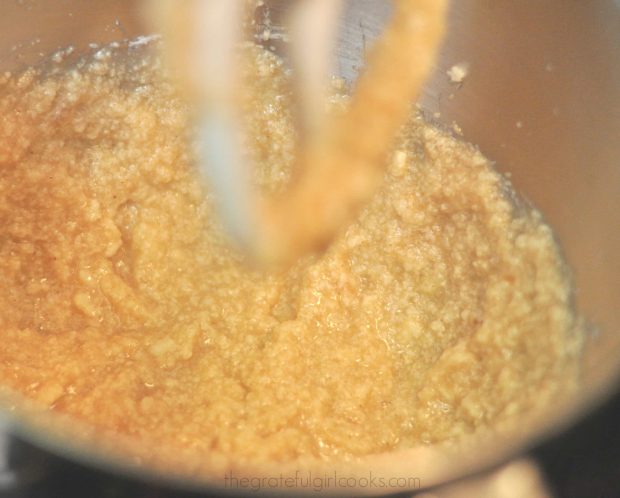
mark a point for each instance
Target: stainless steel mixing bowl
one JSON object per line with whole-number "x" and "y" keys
{"x": 541, "y": 98}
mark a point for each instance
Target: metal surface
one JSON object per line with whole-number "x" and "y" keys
{"x": 542, "y": 99}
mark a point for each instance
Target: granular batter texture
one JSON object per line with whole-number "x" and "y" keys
{"x": 443, "y": 310}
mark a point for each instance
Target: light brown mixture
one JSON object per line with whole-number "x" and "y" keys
{"x": 443, "y": 310}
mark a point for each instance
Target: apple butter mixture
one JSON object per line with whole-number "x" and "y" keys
{"x": 443, "y": 310}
